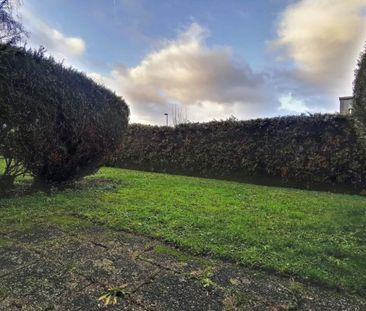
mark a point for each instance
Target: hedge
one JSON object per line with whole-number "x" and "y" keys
{"x": 55, "y": 122}
{"x": 318, "y": 151}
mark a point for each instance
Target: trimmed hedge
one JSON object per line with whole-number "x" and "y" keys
{"x": 319, "y": 151}
{"x": 55, "y": 122}
{"x": 359, "y": 91}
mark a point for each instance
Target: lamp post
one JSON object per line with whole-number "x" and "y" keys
{"x": 167, "y": 119}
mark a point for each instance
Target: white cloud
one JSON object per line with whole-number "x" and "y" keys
{"x": 324, "y": 39}
{"x": 186, "y": 71}
{"x": 59, "y": 45}
{"x": 292, "y": 105}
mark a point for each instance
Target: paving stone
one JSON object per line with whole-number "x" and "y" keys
{"x": 170, "y": 291}
{"x": 68, "y": 250}
{"x": 15, "y": 304}
{"x": 109, "y": 263}
{"x": 36, "y": 234}
{"x": 118, "y": 240}
{"x": 47, "y": 287}
{"x": 172, "y": 259}
{"x": 115, "y": 271}
{"x": 93, "y": 243}
{"x": 13, "y": 257}
{"x": 104, "y": 259}
{"x": 40, "y": 286}
{"x": 87, "y": 299}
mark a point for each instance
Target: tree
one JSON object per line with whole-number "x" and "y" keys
{"x": 179, "y": 116}
{"x": 11, "y": 33}
{"x": 11, "y": 30}
{"x": 13, "y": 166}
{"x": 56, "y": 122}
{"x": 359, "y": 92}
{"x": 8, "y": 138}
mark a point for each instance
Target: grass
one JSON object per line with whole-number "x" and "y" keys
{"x": 161, "y": 249}
{"x": 320, "y": 237}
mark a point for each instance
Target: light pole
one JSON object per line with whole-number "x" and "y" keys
{"x": 167, "y": 119}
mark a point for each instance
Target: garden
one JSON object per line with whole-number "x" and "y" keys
{"x": 265, "y": 214}
{"x": 235, "y": 245}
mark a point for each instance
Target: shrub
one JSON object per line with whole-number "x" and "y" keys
{"x": 58, "y": 123}
{"x": 13, "y": 167}
{"x": 359, "y": 90}
{"x": 319, "y": 151}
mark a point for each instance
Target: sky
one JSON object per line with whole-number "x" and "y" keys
{"x": 212, "y": 59}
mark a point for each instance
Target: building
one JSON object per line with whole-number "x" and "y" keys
{"x": 345, "y": 105}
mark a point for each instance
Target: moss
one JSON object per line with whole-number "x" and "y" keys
{"x": 3, "y": 293}
{"x": 295, "y": 287}
{"x": 67, "y": 221}
{"x": 4, "y": 242}
{"x": 242, "y": 298}
{"x": 161, "y": 249}
{"x": 184, "y": 257}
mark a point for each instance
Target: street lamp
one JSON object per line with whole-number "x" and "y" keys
{"x": 167, "y": 119}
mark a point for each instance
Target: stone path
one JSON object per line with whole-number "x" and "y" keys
{"x": 50, "y": 268}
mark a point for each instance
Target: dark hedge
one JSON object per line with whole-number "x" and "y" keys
{"x": 359, "y": 97}
{"x": 55, "y": 122}
{"x": 319, "y": 151}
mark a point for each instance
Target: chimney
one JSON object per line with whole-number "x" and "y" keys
{"x": 345, "y": 105}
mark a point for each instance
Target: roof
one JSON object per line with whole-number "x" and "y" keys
{"x": 346, "y": 97}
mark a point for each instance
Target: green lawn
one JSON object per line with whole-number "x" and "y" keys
{"x": 316, "y": 236}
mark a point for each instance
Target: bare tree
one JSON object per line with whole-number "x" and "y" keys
{"x": 11, "y": 30}
{"x": 179, "y": 114}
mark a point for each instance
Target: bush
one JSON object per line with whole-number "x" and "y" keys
{"x": 359, "y": 90}
{"x": 319, "y": 151}
{"x": 55, "y": 121}
{"x": 13, "y": 167}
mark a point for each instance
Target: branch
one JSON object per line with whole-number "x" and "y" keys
{"x": 3, "y": 3}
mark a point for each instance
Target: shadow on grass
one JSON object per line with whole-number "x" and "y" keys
{"x": 19, "y": 189}
{"x": 256, "y": 179}
{"x": 26, "y": 187}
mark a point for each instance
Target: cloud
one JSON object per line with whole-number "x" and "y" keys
{"x": 292, "y": 105}
{"x": 59, "y": 45}
{"x": 185, "y": 71}
{"x": 323, "y": 39}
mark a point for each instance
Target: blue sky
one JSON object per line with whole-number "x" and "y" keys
{"x": 212, "y": 58}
